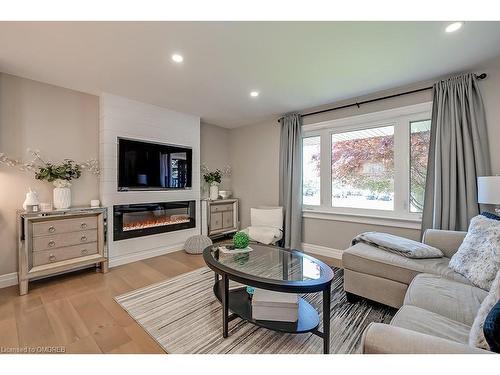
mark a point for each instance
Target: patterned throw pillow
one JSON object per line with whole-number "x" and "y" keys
{"x": 478, "y": 256}
{"x": 476, "y": 334}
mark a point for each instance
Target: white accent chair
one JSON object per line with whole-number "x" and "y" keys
{"x": 266, "y": 225}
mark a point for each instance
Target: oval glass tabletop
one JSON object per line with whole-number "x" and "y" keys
{"x": 270, "y": 264}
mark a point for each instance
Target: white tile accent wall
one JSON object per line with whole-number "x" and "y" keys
{"x": 122, "y": 117}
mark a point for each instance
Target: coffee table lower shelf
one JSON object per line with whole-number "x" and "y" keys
{"x": 241, "y": 306}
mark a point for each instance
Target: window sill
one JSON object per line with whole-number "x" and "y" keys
{"x": 388, "y": 221}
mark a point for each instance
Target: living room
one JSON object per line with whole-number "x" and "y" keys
{"x": 250, "y": 187}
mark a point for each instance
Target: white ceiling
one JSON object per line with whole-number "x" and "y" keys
{"x": 294, "y": 65}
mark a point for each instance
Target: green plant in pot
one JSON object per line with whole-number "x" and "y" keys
{"x": 213, "y": 178}
{"x": 59, "y": 174}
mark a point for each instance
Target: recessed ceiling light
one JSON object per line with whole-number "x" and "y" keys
{"x": 452, "y": 27}
{"x": 254, "y": 94}
{"x": 177, "y": 58}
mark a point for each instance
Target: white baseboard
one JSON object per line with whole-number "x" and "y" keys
{"x": 322, "y": 250}
{"x": 134, "y": 257}
{"x": 8, "y": 279}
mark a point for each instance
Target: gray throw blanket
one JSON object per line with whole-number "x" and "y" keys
{"x": 398, "y": 245}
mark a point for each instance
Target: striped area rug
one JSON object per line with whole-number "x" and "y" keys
{"x": 183, "y": 316}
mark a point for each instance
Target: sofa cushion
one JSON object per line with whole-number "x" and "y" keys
{"x": 454, "y": 300}
{"x": 374, "y": 261}
{"x": 478, "y": 257}
{"x": 423, "y": 321}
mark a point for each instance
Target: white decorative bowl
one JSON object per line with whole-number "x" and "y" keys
{"x": 225, "y": 194}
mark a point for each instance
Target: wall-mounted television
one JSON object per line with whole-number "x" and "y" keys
{"x": 153, "y": 166}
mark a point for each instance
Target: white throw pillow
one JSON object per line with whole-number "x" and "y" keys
{"x": 478, "y": 256}
{"x": 267, "y": 217}
{"x": 476, "y": 335}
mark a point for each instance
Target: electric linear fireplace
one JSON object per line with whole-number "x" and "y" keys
{"x": 144, "y": 219}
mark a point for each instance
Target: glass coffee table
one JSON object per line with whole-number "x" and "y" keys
{"x": 276, "y": 269}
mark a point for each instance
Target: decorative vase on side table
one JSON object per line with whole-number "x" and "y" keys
{"x": 214, "y": 191}
{"x": 62, "y": 194}
{"x": 213, "y": 179}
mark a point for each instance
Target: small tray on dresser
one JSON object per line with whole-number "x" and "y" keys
{"x": 60, "y": 241}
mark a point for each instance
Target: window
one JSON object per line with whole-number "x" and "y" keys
{"x": 376, "y": 167}
{"x": 363, "y": 168}
{"x": 310, "y": 165}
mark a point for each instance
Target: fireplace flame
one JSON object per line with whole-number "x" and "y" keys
{"x": 156, "y": 222}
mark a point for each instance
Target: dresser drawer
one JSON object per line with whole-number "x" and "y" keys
{"x": 64, "y": 226}
{"x": 56, "y": 255}
{"x": 221, "y": 207}
{"x": 64, "y": 239}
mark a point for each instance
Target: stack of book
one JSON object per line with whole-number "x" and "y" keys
{"x": 275, "y": 306}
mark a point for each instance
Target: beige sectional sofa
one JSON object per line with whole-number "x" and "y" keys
{"x": 436, "y": 305}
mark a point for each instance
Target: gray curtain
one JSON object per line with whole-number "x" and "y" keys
{"x": 458, "y": 154}
{"x": 290, "y": 179}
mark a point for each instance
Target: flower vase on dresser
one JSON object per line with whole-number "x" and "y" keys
{"x": 62, "y": 194}
{"x": 213, "y": 179}
{"x": 214, "y": 191}
{"x": 59, "y": 174}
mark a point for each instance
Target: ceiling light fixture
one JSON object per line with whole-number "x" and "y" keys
{"x": 254, "y": 94}
{"x": 452, "y": 27}
{"x": 177, "y": 58}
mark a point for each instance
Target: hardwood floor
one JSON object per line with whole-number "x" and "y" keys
{"x": 77, "y": 311}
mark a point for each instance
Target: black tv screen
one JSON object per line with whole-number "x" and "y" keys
{"x": 153, "y": 166}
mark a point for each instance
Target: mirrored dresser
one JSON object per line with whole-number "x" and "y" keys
{"x": 219, "y": 217}
{"x": 59, "y": 241}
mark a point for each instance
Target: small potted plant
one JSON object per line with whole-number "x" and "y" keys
{"x": 213, "y": 179}
{"x": 59, "y": 174}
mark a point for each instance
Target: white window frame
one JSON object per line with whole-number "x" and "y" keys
{"x": 400, "y": 118}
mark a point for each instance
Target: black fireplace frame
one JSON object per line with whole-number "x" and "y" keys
{"x": 118, "y": 211}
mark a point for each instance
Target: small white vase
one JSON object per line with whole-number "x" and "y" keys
{"x": 62, "y": 197}
{"x": 214, "y": 191}
{"x": 31, "y": 199}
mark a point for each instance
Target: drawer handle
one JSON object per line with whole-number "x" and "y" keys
{"x": 52, "y": 243}
{"x": 83, "y": 225}
{"x": 52, "y": 258}
{"x": 85, "y": 252}
{"x": 52, "y": 229}
{"x": 83, "y": 238}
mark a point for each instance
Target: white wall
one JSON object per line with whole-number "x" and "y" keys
{"x": 254, "y": 159}
{"x": 122, "y": 117}
{"x": 215, "y": 144}
{"x": 61, "y": 123}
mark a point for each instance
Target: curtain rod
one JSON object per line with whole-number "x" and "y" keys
{"x": 480, "y": 77}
